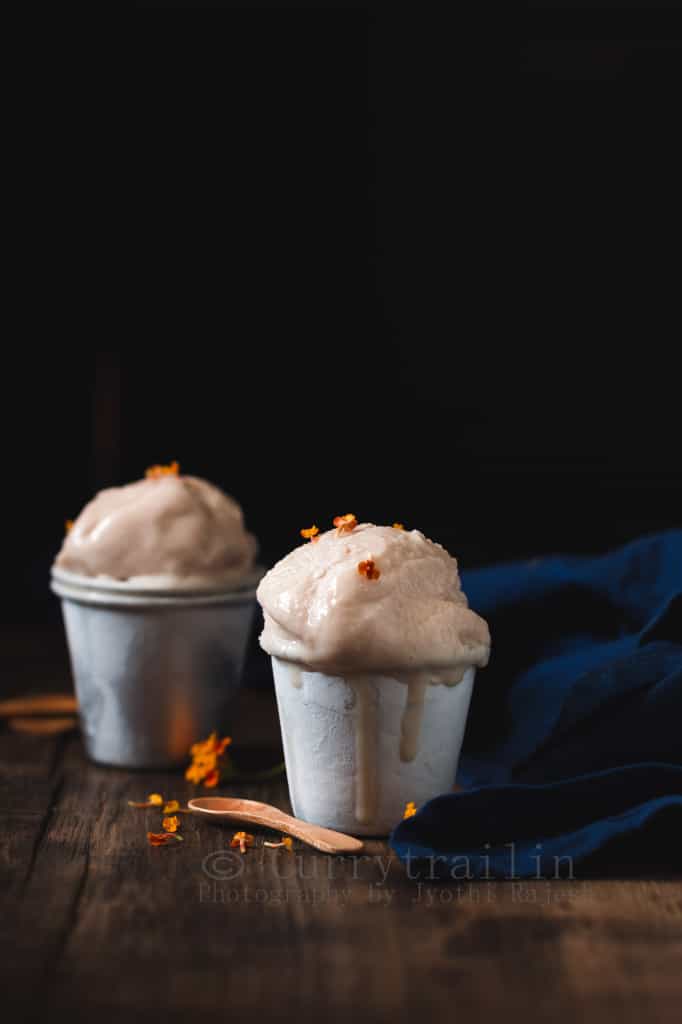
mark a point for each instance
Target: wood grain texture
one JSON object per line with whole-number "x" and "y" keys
{"x": 42, "y": 704}
{"x": 96, "y": 924}
{"x": 36, "y": 726}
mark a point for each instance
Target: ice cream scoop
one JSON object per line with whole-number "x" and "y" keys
{"x": 167, "y": 529}
{"x": 373, "y": 598}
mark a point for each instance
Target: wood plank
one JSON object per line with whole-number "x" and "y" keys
{"x": 30, "y": 781}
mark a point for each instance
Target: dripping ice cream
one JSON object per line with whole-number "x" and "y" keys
{"x": 157, "y": 583}
{"x": 165, "y": 529}
{"x": 374, "y": 653}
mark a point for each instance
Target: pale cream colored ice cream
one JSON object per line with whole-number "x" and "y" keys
{"x": 374, "y": 599}
{"x": 167, "y": 530}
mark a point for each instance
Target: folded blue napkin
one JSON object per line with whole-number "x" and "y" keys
{"x": 573, "y": 750}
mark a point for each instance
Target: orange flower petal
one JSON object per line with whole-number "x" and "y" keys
{"x": 310, "y": 533}
{"x": 398, "y": 526}
{"x": 286, "y": 842}
{"x": 344, "y": 524}
{"x": 155, "y": 472}
{"x": 212, "y": 779}
{"x": 410, "y": 810}
{"x": 161, "y": 838}
{"x": 158, "y": 838}
{"x": 369, "y": 569}
{"x": 155, "y": 798}
{"x": 242, "y": 840}
{"x": 171, "y": 806}
{"x": 171, "y": 824}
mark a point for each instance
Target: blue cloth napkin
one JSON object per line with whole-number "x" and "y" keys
{"x": 573, "y": 749}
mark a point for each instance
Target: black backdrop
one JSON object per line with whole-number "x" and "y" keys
{"x": 348, "y": 261}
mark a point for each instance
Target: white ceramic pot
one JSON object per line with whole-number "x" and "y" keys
{"x": 154, "y": 670}
{"x": 358, "y": 748}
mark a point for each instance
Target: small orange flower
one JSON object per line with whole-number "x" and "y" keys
{"x": 155, "y": 472}
{"x": 242, "y": 840}
{"x": 171, "y": 807}
{"x": 286, "y": 842}
{"x": 398, "y": 526}
{"x": 157, "y": 838}
{"x": 410, "y": 810}
{"x": 171, "y": 824}
{"x": 68, "y": 525}
{"x": 344, "y": 524}
{"x": 311, "y": 533}
{"x": 206, "y": 755}
{"x": 161, "y": 838}
{"x": 369, "y": 569}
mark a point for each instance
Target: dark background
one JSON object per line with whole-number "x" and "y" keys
{"x": 353, "y": 260}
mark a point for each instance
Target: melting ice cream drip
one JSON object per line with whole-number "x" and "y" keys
{"x": 411, "y": 722}
{"x": 366, "y": 749}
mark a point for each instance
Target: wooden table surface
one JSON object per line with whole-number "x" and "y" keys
{"x": 97, "y": 925}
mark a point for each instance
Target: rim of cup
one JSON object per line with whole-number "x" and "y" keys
{"x": 105, "y": 591}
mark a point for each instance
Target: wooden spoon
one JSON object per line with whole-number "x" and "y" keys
{"x": 232, "y": 809}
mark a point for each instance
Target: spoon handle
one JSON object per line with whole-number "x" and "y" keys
{"x": 324, "y": 839}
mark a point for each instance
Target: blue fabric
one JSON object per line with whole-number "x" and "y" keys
{"x": 574, "y": 741}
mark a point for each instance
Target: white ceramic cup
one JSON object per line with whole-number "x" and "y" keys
{"x": 154, "y": 670}
{"x": 358, "y": 748}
